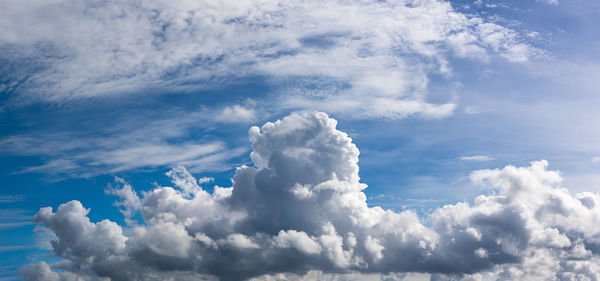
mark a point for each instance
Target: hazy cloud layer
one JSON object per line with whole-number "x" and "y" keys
{"x": 367, "y": 58}
{"x": 301, "y": 210}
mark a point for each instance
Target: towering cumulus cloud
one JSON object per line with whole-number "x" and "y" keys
{"x": 301, "y": 213}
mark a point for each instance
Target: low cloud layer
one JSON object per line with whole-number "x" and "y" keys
{"x": 300, "y": 213}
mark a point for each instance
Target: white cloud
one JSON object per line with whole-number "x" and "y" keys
{"x": 549, "y": 2}
{"x": 476, "y": 109}
{"x": 163, "y": 239}
{"x": 101, "y": 160}
{"x": 529, "y": 228}
{"x": 78, "y": 237}
{"x": 204, "y": 180}
{"x": 477, "y": 158}
{"x": 130, "y": 201}
{"x": 239, "y": 241}
{"x": 375, "y": 57}
{"x": 299, "y": 240}
{"x": 156, "y": 155}
{"x": 137, "y": 142}
{"x": 12, "y": 218}
{"x": 236, "y": 113}
{"x": 595, "y": 160}
{"x": 11, "y": 198}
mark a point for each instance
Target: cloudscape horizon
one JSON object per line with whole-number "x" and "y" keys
{"x": 219, "y": 140}
{"x": 300, "y": 207}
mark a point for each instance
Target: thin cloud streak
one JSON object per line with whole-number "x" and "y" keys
{"x": 136, "y": 143}
{"x": 477, "y": 158}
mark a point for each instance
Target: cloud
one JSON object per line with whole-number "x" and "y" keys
{"x": 549, "y": 2}
{"x": 204, "y": 180}
{"x": 595, "y": 160}
{"x": 126, "y": 143}
{"x": 368, "y": 58}
{"x": 99, "y": 160}
{"x": 13, "y": 218}
{"x": 476, "y": 109}
{"x": 15, "y": 248}
{"x": 301, "y": 211}
{"x": 11, "y": 198}
{"x": 41, "y": 271}
{"x": 236, "y": 113}
{"x": 130, "y": 204}
{"x": 477, "y": 158}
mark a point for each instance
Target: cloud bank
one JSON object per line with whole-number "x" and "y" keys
{"x": 300, "y": 213}
{"x": 367, "y": 58}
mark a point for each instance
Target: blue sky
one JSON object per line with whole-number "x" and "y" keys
{"x": 429, "y": 91}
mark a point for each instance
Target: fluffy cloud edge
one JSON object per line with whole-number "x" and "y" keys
{"x": 301, "y": 210}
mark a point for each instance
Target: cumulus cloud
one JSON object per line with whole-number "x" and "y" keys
{"x": 368, "y": 58}
{"x": 300, "y": 213}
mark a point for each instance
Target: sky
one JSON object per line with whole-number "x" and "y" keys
{"x": 299, "y": 140}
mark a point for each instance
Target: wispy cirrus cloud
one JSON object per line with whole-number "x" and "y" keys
{"x": 140, "y": 142}
{"x": 477, "y": 158}
{"x": 375, "y": 56}
{"x": 15, "y": 248}
{"x": 11, "y": 198}
{"x": 12, "y": 218}
{"x": 476, "y": 109}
